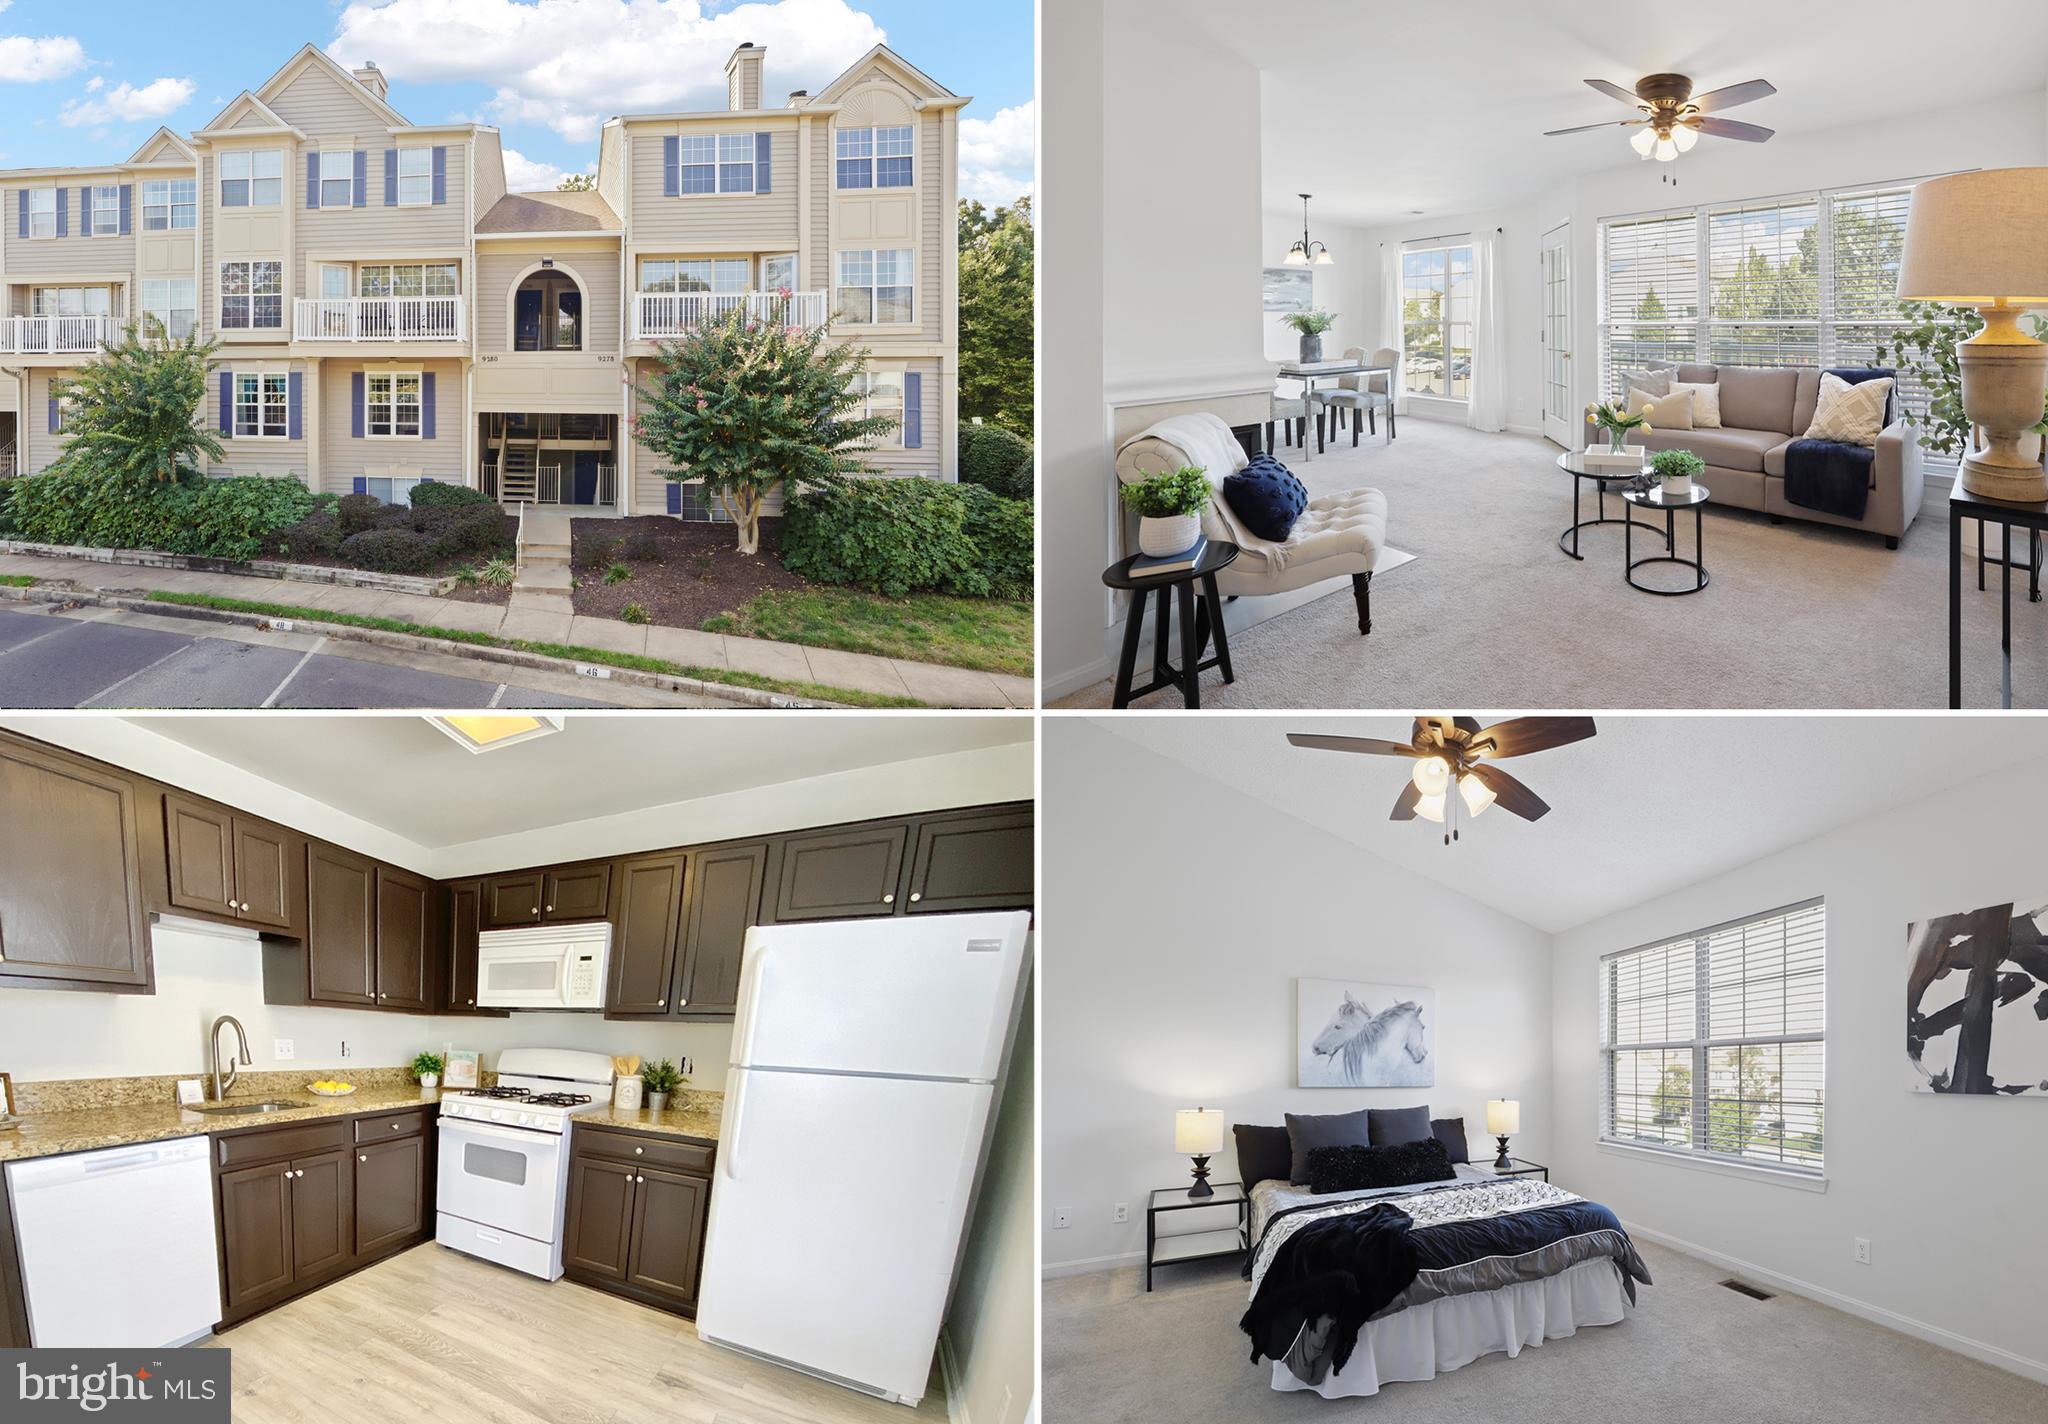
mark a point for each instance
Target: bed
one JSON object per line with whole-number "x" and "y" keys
{"x": 1499, "y": 1263}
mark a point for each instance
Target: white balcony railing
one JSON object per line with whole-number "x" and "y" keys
{"x": 379, "y": 319}
{"x": 48, "y": 335}
{"x": 658, "y": 316}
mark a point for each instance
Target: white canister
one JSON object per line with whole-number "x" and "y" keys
{"x": 626, "y": 1092}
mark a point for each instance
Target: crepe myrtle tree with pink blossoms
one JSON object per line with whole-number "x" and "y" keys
{"x": 749, "y": 407}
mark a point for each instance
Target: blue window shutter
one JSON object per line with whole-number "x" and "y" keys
{"x": 675, "y": 497}
{"x": 355, "y": 404}
{"x": 23, "y": 196}
{"x": 127, "y": 207}
{"x": 227, "y": 402}
{"x": 63, "y": 215}
{"x": 761, "y": 162}
{"x": 913, "y": 410}
{"x": 85, "y": 210}
{"x": 360, "y": 484}
{"x": 362, "y": 179}
{"x": 390, "y": 177}
{"x": 440, "y": 175}
{"x": 671, "y": 158}
{"x": 429, "y": 479}
{"x": 291, "y": 406}
{"x": 313, "y": 178}
{"x": 54, "y": 415}
{"x": 427, "y": 406}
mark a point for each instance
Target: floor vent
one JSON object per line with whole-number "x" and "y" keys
{"x": 1751, "y": 1291}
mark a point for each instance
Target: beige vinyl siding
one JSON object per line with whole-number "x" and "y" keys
{"x": 36, "y": 449}
{"x": 490, "y": 172}
{"x": 252, "y": 118}
{"x": 26, "y": 257}
{"x": 256, "y": 455}
{"x": 715, "y": 222}
{"x": 316, "y": 102}
{"x": 343, "y": 456}
{"x": 820, "y": 218}
{"x": 612, "y": 178}
{"x": 499, "y": 273}
{"x": 374, "y": 230}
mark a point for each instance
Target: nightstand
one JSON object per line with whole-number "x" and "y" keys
{"x": 1519, "y": 1168}
{"x": 1195, "y": 1245}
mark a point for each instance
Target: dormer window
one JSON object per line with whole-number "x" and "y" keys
{"x": 874, "y": 158}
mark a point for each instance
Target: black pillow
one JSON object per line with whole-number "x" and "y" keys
{"x": 1450, "y": 1131}
{"x": 1265, "y": 498}
{"x": 1263, "y": 1154}
{"x": 1393, "y": 1126}
{"x": 1352, "y": 1169}
{"x": 1306, "y": 1133}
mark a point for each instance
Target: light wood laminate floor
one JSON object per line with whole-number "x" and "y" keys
{"x": 433, "y": 1334}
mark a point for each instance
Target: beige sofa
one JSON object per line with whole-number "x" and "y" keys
{"x": 1765, "y": 409}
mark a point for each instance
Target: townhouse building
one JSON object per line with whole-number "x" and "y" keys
{"x": 388, "y": 312}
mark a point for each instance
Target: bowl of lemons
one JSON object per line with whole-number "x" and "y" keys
{"x": 329, "y": 1088}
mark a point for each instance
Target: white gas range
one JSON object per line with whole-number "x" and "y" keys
{"x": 504, "y": 1171}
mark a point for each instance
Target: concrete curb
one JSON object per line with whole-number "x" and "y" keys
{"x": 255, "y": 568}
{"x": 598, "y": 673}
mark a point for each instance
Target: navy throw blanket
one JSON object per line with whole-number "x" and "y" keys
{"x": 1829, "y": 476}
{"x": 1346, "y": 1267}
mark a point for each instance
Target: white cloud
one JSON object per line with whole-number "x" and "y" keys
{"x": 125, "y": 102}
{"x": 25, "y": 61}
{"x": 997, "y": 155}
{"x": 526, "y": 175}
{"x": 571, "y": 64}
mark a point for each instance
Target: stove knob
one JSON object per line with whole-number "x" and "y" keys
{"x": 497, "y": 1115}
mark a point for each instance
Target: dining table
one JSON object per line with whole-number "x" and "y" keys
{"x": 1309, "y": 372}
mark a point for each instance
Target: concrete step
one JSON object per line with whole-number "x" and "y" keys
{"x": 537, "y": 558}
{"x": 542, "y": 580}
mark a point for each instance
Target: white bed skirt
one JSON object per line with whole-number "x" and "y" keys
{"x": 1456, "y": 1330}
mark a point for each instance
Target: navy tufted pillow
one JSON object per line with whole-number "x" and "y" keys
{"x": 1266, "y": 498}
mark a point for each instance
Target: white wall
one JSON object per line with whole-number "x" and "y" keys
{"x": 1179, "y": 915}
{"x": 1940, "y": 1185}
{"x": 1347, "y": 287}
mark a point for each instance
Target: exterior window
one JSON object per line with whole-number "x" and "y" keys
{"x": 699, "y": 154}
{"x": 718, "y": 274}
{"x": 855, "y": 151}
{"x": 251, "y": 296}
{"x": 882, "y": 394}
{"x": 1436, "y": 321}
{"x": 547, "y": 313}
{"x": 874, "y": 158}
{"x": 391, "y": 406}
{"x": 415, "y": 177}
{"x": 42, "y": 212}
{"x": 170, "y": 205}
{"x": 63, "y": 413}
{"x": 106, "y": 210}
{"x": 337, "y": 177}
{"x": 73, "y": 301}
{"x": 173, "y": 303}
{"x": 875, "y": 287}
{"x": 432, "y": 279}
{"x": 260, "y": 405}
{"x": 716, "y": 163}
{"x": 736, "y": 163}
{"x": 892, "y": 157}
{"x": 778, "y": 274}
{"x": 252, "y": 178}
{"x": 389, "y": 489}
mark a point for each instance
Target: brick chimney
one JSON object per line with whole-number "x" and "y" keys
{"x": 743, "y": 77}
{"x": 372, "y": 79}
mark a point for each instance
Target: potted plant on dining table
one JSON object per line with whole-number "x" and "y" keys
{"x": 1310, "y": 324}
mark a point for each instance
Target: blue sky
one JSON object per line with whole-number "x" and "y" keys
{"x": 85, "y": 81}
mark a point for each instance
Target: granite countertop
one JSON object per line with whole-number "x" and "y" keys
{"x": 46, "y": 1134}
{"x": 697, "y": 1122}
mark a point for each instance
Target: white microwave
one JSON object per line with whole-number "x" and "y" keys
{"x": 544, "y": 967}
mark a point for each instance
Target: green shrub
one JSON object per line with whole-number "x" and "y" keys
{"x": 498, "y": 573}
{"x": 390, "y": 551}
{"x": 315, "y": 538}
{"x": 438, "y": 494}
{"x": 233, "y": 518}
{"x": 359, "y": 512}
{"x": 7, "y": 506}
{"x": 457, "y": 529}
{"x": 634, "y": 613}
{"x": 998, "y": 460}
{"x": 617, "y": 573}
{"x": 1002, "y": 530}
{"x": 896, "y": 536}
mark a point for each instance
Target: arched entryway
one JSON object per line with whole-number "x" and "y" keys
{"x": 547, "y": 312}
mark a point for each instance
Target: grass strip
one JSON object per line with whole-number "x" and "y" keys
{"x": 982, "y": 634}
{"x": 634, "y": 661}
{"x": 18, "y": 580}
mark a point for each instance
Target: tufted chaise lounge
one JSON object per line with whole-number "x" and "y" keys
{"x": 1337, "y": 534}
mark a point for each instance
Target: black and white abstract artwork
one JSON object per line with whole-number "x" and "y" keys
{"x": 1977, "y": 1001}
{"x": 1289, "y": 289}
{"x": 1365, "y": 1035}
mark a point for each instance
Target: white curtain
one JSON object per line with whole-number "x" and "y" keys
{"x": 1390, "y": 315}
{"x": 1487, "y": 407}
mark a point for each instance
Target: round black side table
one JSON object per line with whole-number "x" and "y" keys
{"x": 1573, "y": 463}
{"x": 1694, "y": 499}
{"x": 1196, "y": 625}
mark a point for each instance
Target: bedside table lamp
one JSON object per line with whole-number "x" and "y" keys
{"x": 1981, "y": 240}
{"x": 1199, "y": 1133}
{"x": 1503, "y": 1118}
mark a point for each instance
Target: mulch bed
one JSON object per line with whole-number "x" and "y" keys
{"x": 682, "y": 572}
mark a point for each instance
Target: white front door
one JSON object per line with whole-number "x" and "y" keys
{"x": 1558, "y": 422}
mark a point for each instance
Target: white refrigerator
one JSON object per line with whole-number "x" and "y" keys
{"x": 857, "y": 1109}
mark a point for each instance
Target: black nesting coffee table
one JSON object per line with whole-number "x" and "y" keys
{"x": 1201, "y": 617}
{"x": 1573, "y": 463}
{"x": 1655, "y": 498}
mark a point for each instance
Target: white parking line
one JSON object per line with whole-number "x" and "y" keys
{"x": 304, "y": 658}
{"x": 61, "y": 625}
{"x": 498, "y": 696}
{"x": 104, "y": 692}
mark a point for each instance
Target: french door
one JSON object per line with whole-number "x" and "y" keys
{"x": 1559, "y": 423}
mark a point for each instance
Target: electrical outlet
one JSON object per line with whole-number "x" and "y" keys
{"x": 1062, "y": 1219}
{"x": 1863, "y": 1250}
{"x": 281, "y": 1049}
{"x": 344, "y": 1048}
{"x": 1120, "y": 1212}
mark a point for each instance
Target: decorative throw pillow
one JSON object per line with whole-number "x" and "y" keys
{"x": 1355, "y": 1169}
{"x": 1390, "y": 1126}
{"x": 1655, "y": 381}
{"x": 1450, "y": 1131}
{"x": 1672, "y": 412}
{"x": 1706, "y": 403}
{"x": 1305, "y": 1133}
{"x": 1849, "y": 414}
{"x": 1266, "y": 498}
{"x": 1263, "y": 1154}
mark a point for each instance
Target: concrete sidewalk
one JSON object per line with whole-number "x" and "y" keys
{"x": 927, "y": 682}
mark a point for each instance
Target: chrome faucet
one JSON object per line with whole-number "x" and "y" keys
{"x": 220, "y": 1085}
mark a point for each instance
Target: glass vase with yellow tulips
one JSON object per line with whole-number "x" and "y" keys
{"x": 1617, "y": 421}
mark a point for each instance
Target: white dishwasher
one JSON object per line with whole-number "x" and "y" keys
{"x": 117, "y": 1246}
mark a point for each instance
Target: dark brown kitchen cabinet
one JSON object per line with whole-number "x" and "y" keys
{"x": 973, "y": 860}
{"x": 391, "y": 1193}
{"x": 270, "y": 874}
{"x": 667, "y": 1242}
{"x": 724, "y": 902}
{"x": 13, "y": 1303}
{"x": 841, "y": 874}
{"x": 636, "y": 1214}
{"x": 462, "y": 918}
{"x": 511, "y": 901}
{"x": 561, "y": 895}
{"x": 322, "y": 1191}
{"x": 644, "y": 943}
{"x": 404, "y": 928}
{"x": 72, "y": 913}
{"x": 599, "y": 1219}
{"x": 341, "y": 927}
{"x": 230, "y": 866}
{"x": 284, "y": 1225}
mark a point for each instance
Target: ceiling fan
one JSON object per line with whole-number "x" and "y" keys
{"x": 1673, "y": 118}
{"x": 1457, "y": 752}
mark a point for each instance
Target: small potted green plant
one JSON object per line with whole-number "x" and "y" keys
{"x": 1677, "y": 469}
{"x": 1310, "y": 325}
{"x": 1614, "y": 418}
{"x": 427, "y": 1068}
{"x": 660, "y": 1080}
{"x": 1169, "y": 508}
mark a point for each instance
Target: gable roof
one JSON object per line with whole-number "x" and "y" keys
{"x": 915, "y": 78}
{"x": 241, "y": 105}
{"x": 312, "y": 54}
{"x": 163, "y": 146}
{"x": 553, "y": 212}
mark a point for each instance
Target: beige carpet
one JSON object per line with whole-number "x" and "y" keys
{"x": 1491, "y": 615}
{"x": 1691, "y": 1351}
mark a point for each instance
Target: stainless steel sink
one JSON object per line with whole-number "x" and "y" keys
{"x": 239, "y": 1108}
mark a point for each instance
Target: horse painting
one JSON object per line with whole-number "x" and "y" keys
{"x": 1363, "y": 1046}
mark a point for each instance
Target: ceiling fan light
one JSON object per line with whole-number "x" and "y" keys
{"x": 1476, "y": 794}
{"x": 1432, "y": 777}
{"x": 1642, "y": 140}
{"x": 1431, "y": 808}
{"x": 1665, "y": 150}
{"x": 1684, "y": 137}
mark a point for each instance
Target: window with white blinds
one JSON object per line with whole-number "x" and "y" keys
{"x": 1649, "y": 310}
{"x": 1714, "y": 1043}
{"x": 1763, "y": 275}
